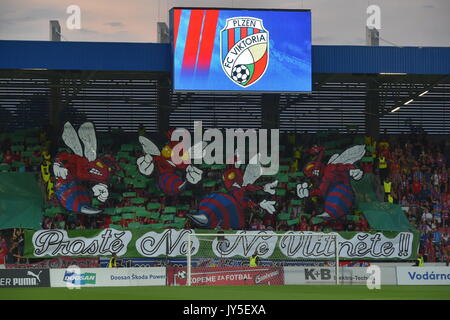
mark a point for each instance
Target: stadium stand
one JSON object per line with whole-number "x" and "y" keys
{"x": 416, "y": 179}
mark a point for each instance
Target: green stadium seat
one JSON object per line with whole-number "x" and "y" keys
{"x": 121, "y": 155}
{"x": 187, "y": 193}
{"x": 154, "y": 215}
{"x": 49, "y": 213}
{"x": 156, "y": 226}
{"x": 296, "y": 174}
{"x": 120, "y": 173}
{"x": 115, "y": 226}
{"x": 139, "y": 184}
{"x": 26, "y": 154}
{"x": 131, "y": 170}
{"x": 96, "y": 203}
{"x": 153, "y": 206}
{"x": 134, "y": 225}
{"x": 184, "y": 207}
{"x": 126, "y": 147}
{"x": 167, "y": 217}
{"x": 129, "y": 194}
{"x": 280, "y": 192}
{"x": 209, "y": 184}
{"x": 282, "y": 178}
{"x": 17, "y": 148}
{"x": 316, "y": 220}
{"x": 115, "y": 196}
{"x": 33, "y": 148}
{"x": 138, "y": 200}
{"x": 116, "y": 218}
{"x": 283, "y": 216}
{"x": 122, "y": 210}
{"x": 143, "y": 213}
{"x": 5, "y": 167}
{"x": 179, "y": 220}
{"x": 128, "y": 216}
{"x": 129, "y": 209}
{"x": 109, "y": 211}
{"x": 293, "y": 221}
{"x": 169, "y": 209}
{"x": 296, "y": 202}
{"x": 292, "y": 186}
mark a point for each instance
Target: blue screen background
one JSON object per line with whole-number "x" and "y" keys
{"x": 289, "y": 66}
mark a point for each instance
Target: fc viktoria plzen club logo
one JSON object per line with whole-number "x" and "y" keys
{"x": 244, "y": 50}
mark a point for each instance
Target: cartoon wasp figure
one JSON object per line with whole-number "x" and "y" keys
{"x": 169, "y": 175}
{"x": 227, "y": 210}
{"x": 74, "y": 172}
{"x": 335, "y": 176}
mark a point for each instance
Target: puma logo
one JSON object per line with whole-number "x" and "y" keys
{"x": 30, "y": 273}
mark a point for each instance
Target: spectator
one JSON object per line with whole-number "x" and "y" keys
{"x": 3, "y": 251}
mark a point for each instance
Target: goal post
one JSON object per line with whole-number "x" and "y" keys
{"x": 224, "y": 258}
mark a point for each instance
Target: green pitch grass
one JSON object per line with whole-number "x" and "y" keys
{"x": 290, "y": 292}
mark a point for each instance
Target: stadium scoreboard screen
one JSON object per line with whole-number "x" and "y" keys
{"x": 241, "y": 50}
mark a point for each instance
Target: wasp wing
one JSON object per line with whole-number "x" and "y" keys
{"x": 87, "y": 135}
{"x": 252, "y": 173}
{"x": 149, "y": 147}
{"x": 71, "y": 139}
{"x": 349, "y": 156}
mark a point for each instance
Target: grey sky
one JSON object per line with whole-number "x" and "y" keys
{"x": 403, "y": 22}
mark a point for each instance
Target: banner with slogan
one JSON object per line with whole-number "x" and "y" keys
{"x": 173, "y": 243}
{"x": 227, "y": 276}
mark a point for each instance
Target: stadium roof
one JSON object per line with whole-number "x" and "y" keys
{"x": 155, "y": 57}
{"x": 116, "y": 84}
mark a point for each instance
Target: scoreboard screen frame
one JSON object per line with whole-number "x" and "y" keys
{"x": 237, "y": 90}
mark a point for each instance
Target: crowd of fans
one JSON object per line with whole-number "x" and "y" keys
{"x": 12, "y": 247}
{"x": 417, "y": 177}
{"x": 413, "y": 171}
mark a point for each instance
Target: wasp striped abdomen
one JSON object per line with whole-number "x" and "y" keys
{"x": 222, "y": 209}
{"x": 74, "y": 196}
{"x": 170, "y": 183}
